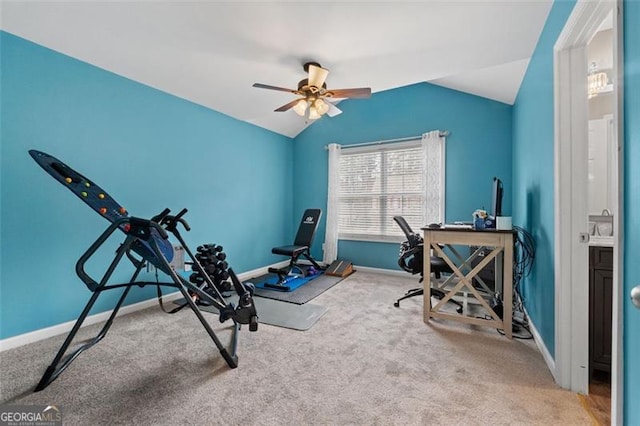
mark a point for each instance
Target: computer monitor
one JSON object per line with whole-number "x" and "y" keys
{"x": 496, "y": 201}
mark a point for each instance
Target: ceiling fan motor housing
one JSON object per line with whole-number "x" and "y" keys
{"x": 307, "y": 64}
{"x": 303, "y": 86}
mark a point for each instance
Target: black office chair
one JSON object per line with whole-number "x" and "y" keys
{"x": 411, "y": 260}
{"x": 301, "y": 247}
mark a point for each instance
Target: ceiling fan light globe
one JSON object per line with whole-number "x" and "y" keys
{"x": 321, "y": 106}
{"x": 300, "y": 107}
{"x": 313, "y": 113}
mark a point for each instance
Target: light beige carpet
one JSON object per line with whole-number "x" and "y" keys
{"x": 363, "y": 363}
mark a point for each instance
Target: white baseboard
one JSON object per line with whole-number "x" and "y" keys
{"x": 45, "y": 333}
{"x": 546, "y": 355}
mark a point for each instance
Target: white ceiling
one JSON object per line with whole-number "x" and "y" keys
{"x": 212, "y": 52}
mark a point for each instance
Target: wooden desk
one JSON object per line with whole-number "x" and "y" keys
{"x": 501, "y": 245}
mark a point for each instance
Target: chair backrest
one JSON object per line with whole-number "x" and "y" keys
{"x": 412, "y": 238}
{"x": 411, "y": 252}
{"x": 410, "y": 258}
{"x": 308, "y": 226}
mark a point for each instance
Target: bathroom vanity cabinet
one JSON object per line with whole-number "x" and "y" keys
{"x": 600, "y": 308}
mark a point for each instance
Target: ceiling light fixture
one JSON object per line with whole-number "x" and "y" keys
{"x": 301, "y": 107}
{"x": 596, "y": 81}
{"x": 321, "y": 106}
{"x": 312, "y": 108}
{"x": 313, "y": 101}
{"x": 314, "y": 114}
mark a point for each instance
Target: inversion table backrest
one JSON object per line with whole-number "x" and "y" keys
{"x": 100, "y": 202}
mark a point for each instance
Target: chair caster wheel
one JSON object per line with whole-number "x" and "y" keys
{"x": 396, "y": 304}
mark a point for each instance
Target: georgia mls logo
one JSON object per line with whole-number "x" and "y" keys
{"x": 32, "y": 415}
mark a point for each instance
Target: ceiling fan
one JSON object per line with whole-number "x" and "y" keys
{"x": 313, "y": 102}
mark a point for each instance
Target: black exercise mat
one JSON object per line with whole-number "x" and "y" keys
{"x": 301, "y": 295}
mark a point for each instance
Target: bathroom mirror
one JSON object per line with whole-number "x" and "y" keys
{"x": 602, "y": 136}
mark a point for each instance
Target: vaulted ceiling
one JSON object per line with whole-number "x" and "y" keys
{"x": 212, "y": 52}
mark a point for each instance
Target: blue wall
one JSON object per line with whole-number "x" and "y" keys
{"x": 533, "y": 175}
{"x": 150, "y": 150}
{"x": 533, "y": 185}
{"x": 478, "y": 148}
{"x": 632, "y": 211}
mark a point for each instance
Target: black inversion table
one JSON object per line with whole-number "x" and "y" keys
{"x": 146, "y": 241}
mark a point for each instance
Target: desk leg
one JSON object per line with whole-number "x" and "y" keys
{"x": 426, "y": 283}
{"x": 499, "y": 277}
{"x": 507, "y": 285}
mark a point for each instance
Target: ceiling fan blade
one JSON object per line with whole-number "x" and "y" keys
{"x": 333, "y": 110}
{"x": 362, "y": 92}
{"x": 266, "y": 86}
{"x": 287, "y": 107}
{"x": 317, "y": 75}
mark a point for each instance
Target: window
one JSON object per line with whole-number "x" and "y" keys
{"x": 381, "y": 181}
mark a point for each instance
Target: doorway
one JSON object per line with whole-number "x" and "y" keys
{"x": 588, "y": 203}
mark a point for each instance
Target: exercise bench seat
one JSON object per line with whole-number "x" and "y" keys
{"x": 300, "y": 247}
{"x": 293, "y": 251}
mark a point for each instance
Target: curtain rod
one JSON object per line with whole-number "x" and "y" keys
{"x": 409, "y": 138}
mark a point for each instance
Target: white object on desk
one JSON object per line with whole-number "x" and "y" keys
{"x": 504, "y": 223}
{"x": 457, "y": 226}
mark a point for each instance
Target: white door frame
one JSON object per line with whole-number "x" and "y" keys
{"x": 571, "y": 213}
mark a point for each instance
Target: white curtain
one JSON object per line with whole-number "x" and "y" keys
{"x": 433, "y": 178}
{"x": 331, "y": 235}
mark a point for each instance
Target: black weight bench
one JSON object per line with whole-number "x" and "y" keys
{"x": 300, "y": 248}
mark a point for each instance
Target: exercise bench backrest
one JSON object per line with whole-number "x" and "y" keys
{"x": 308, "y": 226}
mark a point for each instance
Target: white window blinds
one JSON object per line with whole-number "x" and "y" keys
{"x": 379, "y": 182}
